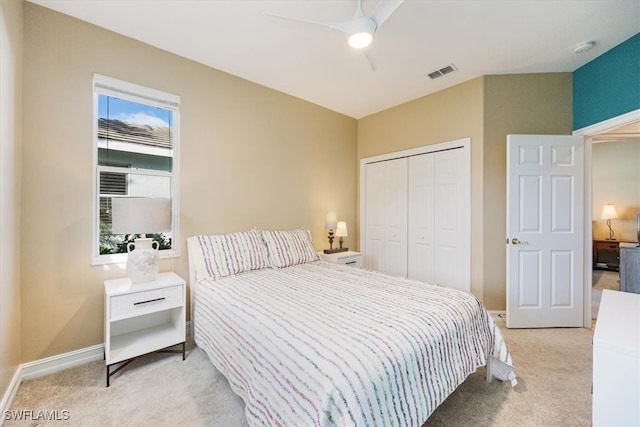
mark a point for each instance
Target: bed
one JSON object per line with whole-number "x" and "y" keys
{"x": 305, "y": 342}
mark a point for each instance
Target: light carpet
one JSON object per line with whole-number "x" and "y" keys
{"x": 553, "y": 368}
{"x": 602, "y": 279}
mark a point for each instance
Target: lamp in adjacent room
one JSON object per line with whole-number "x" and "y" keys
{"x": 609, "y": 213}
{"x": 331, "y": 223}
{"x": 341, "y": 231}
{"x": 141, "y": 215}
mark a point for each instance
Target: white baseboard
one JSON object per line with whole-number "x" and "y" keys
{"x": 59, "y": 362}
{"x": 46, "y": 366}
{"x": 5, "y": 404}
{"x": 52, "y": 364}
{"x": 497, "y": 314}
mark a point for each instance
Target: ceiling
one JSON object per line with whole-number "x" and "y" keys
{"x": 315, "y": 63}
{"x": 629, "y": 132}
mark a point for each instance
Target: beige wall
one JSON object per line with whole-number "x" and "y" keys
{"x": 10, "y": 142}
{"x": 514, "y": 104}
{"x": 249, "y": 156}
{"x": 616, "y": 180}
{"x": 486, "y": 109}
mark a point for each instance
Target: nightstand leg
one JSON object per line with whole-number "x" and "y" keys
{"x": 122, "y": 365}
{"x": 183, "y": 348}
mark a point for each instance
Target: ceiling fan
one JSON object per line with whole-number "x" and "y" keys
{"x": 360, "y": 29}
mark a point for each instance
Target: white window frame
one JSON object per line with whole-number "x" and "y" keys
{"x": 103, "y": 85}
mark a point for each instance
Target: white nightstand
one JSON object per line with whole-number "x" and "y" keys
{"x": 142, "y": 318}
{"x": 350, "y": 258}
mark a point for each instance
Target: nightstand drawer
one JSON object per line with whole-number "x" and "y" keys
{"x": 353, "y": 261}
{"x": 606, "y": 245}
{"x": 350, "y": 258}
{"x": 138, "y": 303}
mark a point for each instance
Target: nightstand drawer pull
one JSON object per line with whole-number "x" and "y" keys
{"x": 148, "y": 301}
{"x": 351, "y": 262}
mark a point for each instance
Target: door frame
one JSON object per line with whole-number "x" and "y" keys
{"x": 588, "y": 133}
{"x": 464, "y": 144}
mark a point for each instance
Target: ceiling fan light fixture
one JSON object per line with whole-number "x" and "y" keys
{"x": 360, "y": 39}
{"x": 360, "y": 32}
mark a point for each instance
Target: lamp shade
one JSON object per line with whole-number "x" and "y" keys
{"x": 609, "y": 212}
{"x": 140, "y": 215}
{"x": 341, "y": 231}
{"x": 331, "y": 221}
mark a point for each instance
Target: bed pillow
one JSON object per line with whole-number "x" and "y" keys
{"x": 227, "y": 254}
{"x": 286, "y": 248}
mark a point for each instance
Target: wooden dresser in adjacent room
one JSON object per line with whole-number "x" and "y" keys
{"x": 606, "y": 254}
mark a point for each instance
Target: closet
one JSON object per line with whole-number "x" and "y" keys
{"x": 415, "y": 214}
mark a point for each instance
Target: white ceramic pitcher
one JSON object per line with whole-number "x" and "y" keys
{"x": 143, "y": 260}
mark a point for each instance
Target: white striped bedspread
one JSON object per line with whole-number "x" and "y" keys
{"x": 322, "y": 344}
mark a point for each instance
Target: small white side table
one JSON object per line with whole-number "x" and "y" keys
{"x": 350, "y": 258}
{"x": 142, "y": 318}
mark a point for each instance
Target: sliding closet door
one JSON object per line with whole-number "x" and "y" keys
{"x": 437, "y": 219}
{"x": 396, "y": 218}
{"x": 374, "y": 217}
{"x": 415, "y": 214}
{"x": 451, "y": 235}
{"x": 421, "y": 254}
{"x": 386, "y": 217}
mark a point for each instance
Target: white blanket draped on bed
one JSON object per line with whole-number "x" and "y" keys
{"x": 321, "y": 344}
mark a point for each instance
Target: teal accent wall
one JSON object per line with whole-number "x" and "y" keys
{"x": 608, "y": 86}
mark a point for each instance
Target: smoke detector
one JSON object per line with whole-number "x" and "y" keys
{"x": 584, "y": 47}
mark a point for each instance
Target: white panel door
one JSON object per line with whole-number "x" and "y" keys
{"x": 386, "y": 217}
{"x": 451, "y": 235}
{"x": 421, "y": 254}
{"x": 545, "y": 240}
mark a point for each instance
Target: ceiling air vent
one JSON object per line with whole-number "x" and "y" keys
{"x": 442, "y": 71}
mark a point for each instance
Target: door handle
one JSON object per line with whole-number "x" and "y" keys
{"x": 517, "y": 242}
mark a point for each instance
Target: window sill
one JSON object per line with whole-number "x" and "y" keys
{"x": 122, "y": 258}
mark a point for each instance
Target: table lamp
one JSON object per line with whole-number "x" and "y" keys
{"x": 141, "y": 215}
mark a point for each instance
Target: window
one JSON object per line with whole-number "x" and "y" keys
{"x": 135, "y": 155}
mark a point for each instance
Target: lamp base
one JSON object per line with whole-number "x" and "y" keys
{"x": 335, "y": 251}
